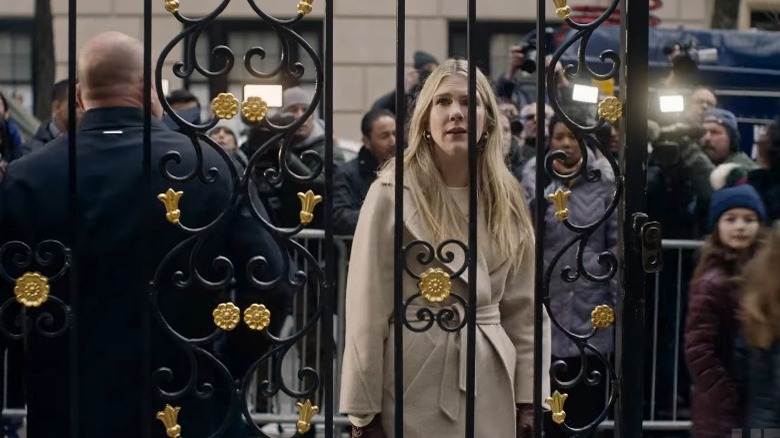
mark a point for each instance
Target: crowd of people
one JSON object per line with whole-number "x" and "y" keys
{"x": 701, "y": 185}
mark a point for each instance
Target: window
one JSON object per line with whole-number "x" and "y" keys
{"x": 16, "y": 59}
{"x": 766, "y": 19}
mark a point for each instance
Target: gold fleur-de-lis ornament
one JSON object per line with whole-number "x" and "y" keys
{"x": 435, "y": 285}
{"x": 257, "y": 317}
{"x": 305, "y": 6}
{"x": 225, "y": 106}
{"x": 171, "y": 201}
{"x": 254, "y": 108}
{"x": 172, "y": 6}
{"x": 32, "y": 289}
{"x": 559, "y": 199}
{"x": 556, "y": 404}
{"x": 611, "y": 109}
{"x": 305, "y": 412}
{"x": 169, "y": 416}
{"x": 602, "y": 316}
{"x": 562, "y": 10}
{"x": 227, "y": 316}
{"x": 308, "y": 201}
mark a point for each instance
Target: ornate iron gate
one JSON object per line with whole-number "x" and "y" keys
{"x": 42, "y": 306}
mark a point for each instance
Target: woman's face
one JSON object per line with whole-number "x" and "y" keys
{"x": 447, "y": 119}
{"x": 563, "y": 140}
{"x": 738, "y": 228}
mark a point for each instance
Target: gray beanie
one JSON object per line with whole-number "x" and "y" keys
{"x": 295, "y": 96}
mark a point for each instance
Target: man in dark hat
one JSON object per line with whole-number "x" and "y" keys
{"x": 721, "y": 139}
{"x": 424, "y": 63}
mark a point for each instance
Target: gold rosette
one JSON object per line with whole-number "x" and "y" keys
{"x": 254, "y": 108}
{"x": 611, "y": 109}
{"x": 32, "y": 289}
{"x": 169, "y": 417}
{"x": 227, "y": 316}
{"x": 435, "y": 285}
{"x": 305, "y": 6}
{"x": 225, "y": 106}
{"x": 556, "y": 405}
{"x": 306, "y": 412}
{"x": 602, "y": 316}
{"x": 171, "y": 201}
{"x": 257, "y": 317}
{"x": 559, "y": 200}
{"x": 172, "y": 6}
{"x": 308, "y": 201}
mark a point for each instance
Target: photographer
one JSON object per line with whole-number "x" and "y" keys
{"x": 424, "y": 63}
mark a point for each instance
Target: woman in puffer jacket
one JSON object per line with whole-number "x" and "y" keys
{"x": 736, "y": 217}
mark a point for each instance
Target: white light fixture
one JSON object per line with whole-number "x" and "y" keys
{"x": 672, "y": 103}
{"x": 585, "y": 93}
{"x": 271, "y": 94}
{"x": 165, "y": 86}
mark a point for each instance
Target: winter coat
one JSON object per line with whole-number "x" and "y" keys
{"x": 758, "y": 371}
{"x": 434, "y": 371}
{"x": 710, "y": 328}
{"x": 350, "y": 186}
{"x": 571, "y": 303}
{"x": 46, "y": 132}
{"x": 767, "y": 184}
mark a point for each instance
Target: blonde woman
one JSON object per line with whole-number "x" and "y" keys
{"x": 436, "y": 194}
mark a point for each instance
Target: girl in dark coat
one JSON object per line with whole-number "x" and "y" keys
{"x": 760, "y": 316}
{"x": 736, "y": 215}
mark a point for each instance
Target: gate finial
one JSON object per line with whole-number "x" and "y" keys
{"x": 171, "y": 200}
{"x": 304, "y": 6}
{"x": 172, "y": 6}
{"x": 563, "y": 11}
{"x": 306, "y": 412}
{"x": 169, "y": 416}
{"x": 556, "y": 404}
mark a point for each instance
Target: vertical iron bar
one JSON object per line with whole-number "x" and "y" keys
{"x": 677, "y": 328}
{"x": 327, "y": 314}
{"x": 539, "y": 220}
{"x": 146, "y": 166}
{"x": 634, "y": 15}
{"x": 73, "y": 222}
{"x": 657, "y": 290}
{"x": 398, "y": 298}
{"x": 471, "y": 314}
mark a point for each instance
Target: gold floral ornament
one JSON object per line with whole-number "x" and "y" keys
{"x": 257, "y": 317}
{"x": 602, "y": 316}
{"x": 169, "y": 416}
{"x": 304, "y": 6}
{"x": 306, "y": 412}
{"x": 435, "y": 285}
{"x": 254, "y": 108}
{"x": 563, "y": 11}
{"x": 32, "y": 289}
{"x": 227, "y": 316}
{"x": 172, "y": 6}
{"x": 308, "y": 201}
{"x": 556, "y": 404}
{"x": 171, "y": 200}
{"x": 611, "y": 109}
{"x": 225, "y": 106}
{"x": 559, "y": 199}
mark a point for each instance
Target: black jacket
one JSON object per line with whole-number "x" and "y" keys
{"x": 767, "y": 184}
{"x": 43, "y": 135}
{"x": 350, "y": 186}
{"x": 122, "y": 242}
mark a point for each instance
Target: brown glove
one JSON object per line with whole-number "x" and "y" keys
{"x": 524, "y": 420}
{"x": 372, "y": 430}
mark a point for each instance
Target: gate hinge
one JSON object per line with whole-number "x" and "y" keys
{"x": 649, "y": 240}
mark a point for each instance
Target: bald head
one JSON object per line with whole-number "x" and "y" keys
{"x": 110, "y": 70}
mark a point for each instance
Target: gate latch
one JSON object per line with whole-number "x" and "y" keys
{"x": 649, "y": 234}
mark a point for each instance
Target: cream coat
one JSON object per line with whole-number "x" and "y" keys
{"x": 435, "y": 361}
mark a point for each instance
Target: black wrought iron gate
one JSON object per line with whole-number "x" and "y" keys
{"x": 210, "y": 315}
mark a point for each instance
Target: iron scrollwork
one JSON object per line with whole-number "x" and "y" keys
{"x": 610, "y": 109}
{"x": 227, "y": 316}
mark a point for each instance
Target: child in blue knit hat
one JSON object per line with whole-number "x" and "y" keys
{"x": 737, "y": 216}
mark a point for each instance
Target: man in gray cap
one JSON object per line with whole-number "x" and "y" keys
{"x": 721, "y": 139}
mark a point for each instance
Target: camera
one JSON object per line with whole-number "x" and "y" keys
{"x": 529, "y": 47}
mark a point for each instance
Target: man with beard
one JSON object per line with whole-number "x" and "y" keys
{"x": 721, "y": 139}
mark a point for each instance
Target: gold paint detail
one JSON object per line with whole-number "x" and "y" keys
{"x": 169, "y": 416}
{"x": 225, "y": 106}
{"x": 308, "y": 201}
{"x": 32, "y": 289}
{"x": 306, "y": 412}
{"x": 254, "y": 108}
{"x": 559, "y": 199}
{"x": 257, "y": 317}
{"x": 563, "y": 11}
{"x": 435, "y": 285}
{"x": 305, "y": 6}
{"x": 611, "y": 109}
{"x": 556, "y": 404}
{"x": 171, "y": 200}
{"x": 602, "y": 316}
{"x": 172, "y": 6}
{"x": 227, "y": 316}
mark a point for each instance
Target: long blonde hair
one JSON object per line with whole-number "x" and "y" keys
{"x": 760, "y": 307}
{"x": 498, "y": 192}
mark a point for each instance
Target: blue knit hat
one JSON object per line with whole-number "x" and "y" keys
{"x": 732, "y": 191}
{"x": 728, "y": 120}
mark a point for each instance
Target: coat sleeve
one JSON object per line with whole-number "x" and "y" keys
{"x": 702, "y": 337}
{"x": 346, "y": 209}
{"x": 369, "y": 304}
{"x": 517, "y": 318}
